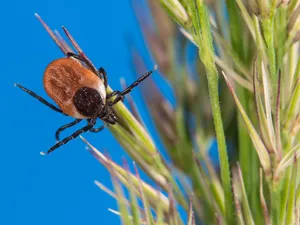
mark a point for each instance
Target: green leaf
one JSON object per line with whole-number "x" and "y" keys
{"x": 287, "y": 161}
{"x": 191, "y": 218}
{"x": 263, "y": 200}
{"x": 256, "y": 140}
{"x": 148, "y": 214}
{"x": 125, "y": 216}
{"x": 135, "y": 212}
{"x": 203, "y": 37}
{"x": 291, "y": 202}
{"x": 245, "y": 202}
{"x": 177, "y": 12}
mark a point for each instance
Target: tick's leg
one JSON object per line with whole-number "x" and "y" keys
{"x": 120, "y": 95}
{"x": 103, "y": 75}
{"x": 41, "y": 99}
{"x": 112, "y": 94}
{"x": 109, "y": 117}
{"x": 65, "y": 127}
{"x": 100, "y": 73}
{"x": 71, "y": 137}
{"x": 95, "y": 130}
{"x": 79, "y": 57}
{"x": 112, "y": 119}
{"x": 109, "y": 120}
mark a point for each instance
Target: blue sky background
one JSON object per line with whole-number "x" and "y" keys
{"x": 58, "y": 188}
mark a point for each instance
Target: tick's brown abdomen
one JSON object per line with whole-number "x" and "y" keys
{"x": 63, "y": 77}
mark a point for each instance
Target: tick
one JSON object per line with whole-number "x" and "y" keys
{"x": 80, "y": 92}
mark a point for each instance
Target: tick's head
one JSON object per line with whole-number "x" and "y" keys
{"x": 88, "y": 102}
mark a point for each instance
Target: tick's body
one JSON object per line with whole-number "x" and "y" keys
{"x": 62, "y": 80}
{"x": 79, "y": 90}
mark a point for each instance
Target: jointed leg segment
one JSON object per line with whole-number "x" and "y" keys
{"x": 95, "y": 130}
{"x": 71, "y": 137}
{"x": 79, "y": 57}
{"x": 59, "y": 130}
{"x": 120, "y": 95}
{"x": 40, "y": 99}
{"x": 102, "y": 72}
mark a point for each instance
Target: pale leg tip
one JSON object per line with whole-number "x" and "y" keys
{"x": 43, "y": 153}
